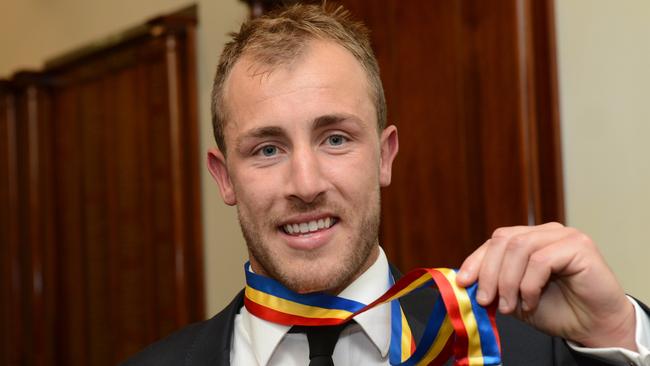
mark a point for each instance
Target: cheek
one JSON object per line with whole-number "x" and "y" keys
{"x": 357, "y": 177}
{"x": 255, "y": 191}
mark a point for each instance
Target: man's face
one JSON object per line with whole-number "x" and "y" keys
{"x": 304, "y": 166}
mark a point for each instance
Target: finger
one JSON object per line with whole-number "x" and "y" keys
{"x": 510, "y": 231}
{"x": 541, "y": 265}
{"x": 489, "y": 272}
{"x": 468, "y": 272}
{"x": 492, "y": 264}
{"x": 516, "y": 257}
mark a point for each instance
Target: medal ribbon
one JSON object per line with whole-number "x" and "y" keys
{"x": 457, "y": 326}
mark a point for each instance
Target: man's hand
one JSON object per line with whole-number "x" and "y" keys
{"x": 554, "y": 278}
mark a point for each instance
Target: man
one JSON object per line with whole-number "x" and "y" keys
{"x": 303, "y": 149}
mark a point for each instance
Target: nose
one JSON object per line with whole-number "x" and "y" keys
{"x": 306, "y": 179}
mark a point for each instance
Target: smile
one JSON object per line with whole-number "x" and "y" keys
{"x": 309, "y": 226}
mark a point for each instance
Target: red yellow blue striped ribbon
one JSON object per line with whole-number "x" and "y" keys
{"x": 458, "y": 326}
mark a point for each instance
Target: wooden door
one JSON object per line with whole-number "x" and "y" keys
{"x": 104, "y": 240}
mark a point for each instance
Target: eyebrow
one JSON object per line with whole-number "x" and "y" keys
{"x": 261, "y": 132}
{"x": 331, "y": 119}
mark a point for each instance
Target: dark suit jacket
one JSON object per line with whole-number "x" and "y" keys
{"x": 208, "y": 342}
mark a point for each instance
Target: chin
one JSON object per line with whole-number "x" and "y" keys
{"x": 315, "y": 276}
{"x": 306, "y": 284}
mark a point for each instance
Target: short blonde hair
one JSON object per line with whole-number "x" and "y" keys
{"x": 280, "y": 36}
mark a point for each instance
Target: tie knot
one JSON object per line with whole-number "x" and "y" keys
{"x": 322, "y": 340}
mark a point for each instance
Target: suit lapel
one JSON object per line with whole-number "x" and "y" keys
{"x": 212, "y": 346}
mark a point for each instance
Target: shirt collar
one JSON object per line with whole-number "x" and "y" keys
{"x": 265, "y": 336}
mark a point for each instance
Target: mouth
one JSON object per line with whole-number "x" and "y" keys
{"x": 307, "y": 227}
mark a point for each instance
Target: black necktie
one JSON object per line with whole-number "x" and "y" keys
{"x": 322, "y": 340}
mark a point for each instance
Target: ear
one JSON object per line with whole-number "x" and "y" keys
{"x": 389, "y": 146}
{"x": 219, "y": 171}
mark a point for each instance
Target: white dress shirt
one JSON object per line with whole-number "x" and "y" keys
{"x": 262, "y": 343}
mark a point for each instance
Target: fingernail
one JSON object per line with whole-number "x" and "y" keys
{"x": 482, "y": 296}
{"x": 463, "y": 276}
{"x": 503, "y": 304}
{"x": 524, "y": 306}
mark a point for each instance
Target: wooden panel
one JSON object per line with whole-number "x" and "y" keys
{"x": 547, "y": 113}
{"x": 25, "y": 230}
{"x": 11, "y": 351}
{"x": 72, "y": 340}
{"x": 33, "y": 102}
{"x": 94, "y": 154}
{"x": 23, "y": 250}
{"x": 27, "y": 254}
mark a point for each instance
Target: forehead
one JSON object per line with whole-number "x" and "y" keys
{"x": 325, "y": 79}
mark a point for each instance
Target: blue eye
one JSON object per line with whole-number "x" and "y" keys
{"x": 336, "y": 140}
{"x": 269, "y": 150}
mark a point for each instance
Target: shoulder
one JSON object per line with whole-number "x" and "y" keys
{"x": 206, "y": 342}
{"x": 172, "y": 350}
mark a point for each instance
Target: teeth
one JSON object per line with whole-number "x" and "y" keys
{"x": 308, "y": 227}
{"x": 313, "y": 225}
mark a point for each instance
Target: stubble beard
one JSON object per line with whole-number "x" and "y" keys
{"x": 306, "y": 273}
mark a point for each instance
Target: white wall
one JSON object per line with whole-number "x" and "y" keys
{"x": 32, "y": 31}
{"x": 604, "y": 68}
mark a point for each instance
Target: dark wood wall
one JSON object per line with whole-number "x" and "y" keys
{"x": 101, "y": 249}
{"x": 471, "y": 86}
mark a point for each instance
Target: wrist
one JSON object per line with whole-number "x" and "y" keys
{"x": 620, "y": 333}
